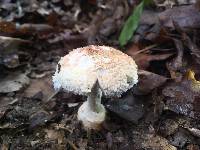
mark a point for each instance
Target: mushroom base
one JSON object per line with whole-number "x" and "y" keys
{"x": 89, "y": 118}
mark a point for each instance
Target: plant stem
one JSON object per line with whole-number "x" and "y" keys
{"x": 94, "y": 98}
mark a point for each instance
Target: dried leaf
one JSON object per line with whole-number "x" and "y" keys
{"x": 129, "y": 108}
{"x": 9, "y": 44}
{"x": 13, "y": 82}
{"x": 143, "y": 59}
{"x": 38, "y": 119}
{"x": 151, "y": 141}
{"x": 157, "y": 142}
{"x": 149, "y": 28}
{"x": 168, "y": 127}
{"x": 194, "y": 131}
{"x": 7, "y": 27}
{"x": 185, "y": 16}
{"x": 183, "y": 97}
{"x": 194, "y": 50}
{"x": 43, "y": 85}
{"x": 147, "y": 82}
{"x": 181, "y": 138}
{"x": 55, "y": 135}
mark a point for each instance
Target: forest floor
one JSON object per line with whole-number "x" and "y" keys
{"x": 160, "y": 113}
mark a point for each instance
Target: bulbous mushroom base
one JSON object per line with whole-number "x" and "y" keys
{"x": 89, "y": 118}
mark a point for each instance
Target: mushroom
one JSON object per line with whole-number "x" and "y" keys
{"x": 94, "y": 71}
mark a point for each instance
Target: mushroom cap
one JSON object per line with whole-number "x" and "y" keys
{"x": 78, "y": 71}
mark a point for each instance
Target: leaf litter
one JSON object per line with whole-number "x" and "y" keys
{"x": 160, "y": 112}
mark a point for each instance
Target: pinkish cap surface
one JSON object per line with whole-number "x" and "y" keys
{"x": 78, "y": 71}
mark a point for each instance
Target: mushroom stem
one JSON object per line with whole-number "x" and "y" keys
{"x": 94, "y": 98}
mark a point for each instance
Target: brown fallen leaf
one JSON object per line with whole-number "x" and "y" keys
{"x": 181, "y": 138}
{"x": 194, "y": 50}
{"x": 7, "y": 27}
{"x": 143, "y": 59}
{"x": 9, "y": 51}
{"x": 43, "y": 85}
{"x": 193, "y": 147}
{"x": 4, "y": 147}
{"x": 194, "y": 131}
{"x": 129, "y": 107}
{"x": 158, "y": 142}
{"x": 170, "y": 3}
{"x": 39, "y": 118}
{"x": 14, "y": 82}
{"x": 149, "y": 27}
{"x": 151, "y": 141}
{"x": 9, "y": 43}
{"x": 184, "y": 97}
{"x": 187, "y": 17}
{"x": 168, "y": 127}
{"x": 147, "y": 82}
{"x": 3, "y": 111}
{"x": 55, "y": 135}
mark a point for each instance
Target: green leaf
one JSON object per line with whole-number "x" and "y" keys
{"x": 131, "y": 24}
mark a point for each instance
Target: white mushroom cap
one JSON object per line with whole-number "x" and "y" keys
{"x": 78, "y": 71}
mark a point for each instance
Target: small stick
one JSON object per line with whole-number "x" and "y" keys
{"x": 50, "y": 97}
{"x": 145, "y": 49}
{"x": 72, "y": 145}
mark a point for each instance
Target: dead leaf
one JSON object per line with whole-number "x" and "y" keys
{"x": 151, "y": 141}
{"x": 181, "y": 138}
{"x": 192, "y": 147}
{"x": 185, "y": 16}
{"x": 194, "y": 131}
{"x": 147, "y": 82}
{"x": 108, "y": 27}
{"x": 9, "y": 51}
{"x": 43, "y": 85}
{"x": 13, "y": 82}
{"x": 3, "y": 111}
{"x": 157, "y": 142}
{"x": 38, "y": 119}
{"x": 4, "y": 147}
{"x": 129, "y": 107}
{"x": 168, "y": 127}
{"x": 143, "y": 59}
{"x": 5, "y": 101}
{"x": 149, "y": 27}
{"x": 59, "y": 136}
{"x": 7, "y": 27}
{"x": 183, "y": 97}
{"x": 11, "y": 60}
{"x": 82, "y": 144}
{"x": 194, "y": 50}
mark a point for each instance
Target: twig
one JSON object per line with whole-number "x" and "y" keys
{"x": 51, "y": 96}
{"x": 145, "y": 49}
{"x": 72, "y": 145}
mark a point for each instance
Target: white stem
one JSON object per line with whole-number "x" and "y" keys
{"x": 94, "y": 98}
